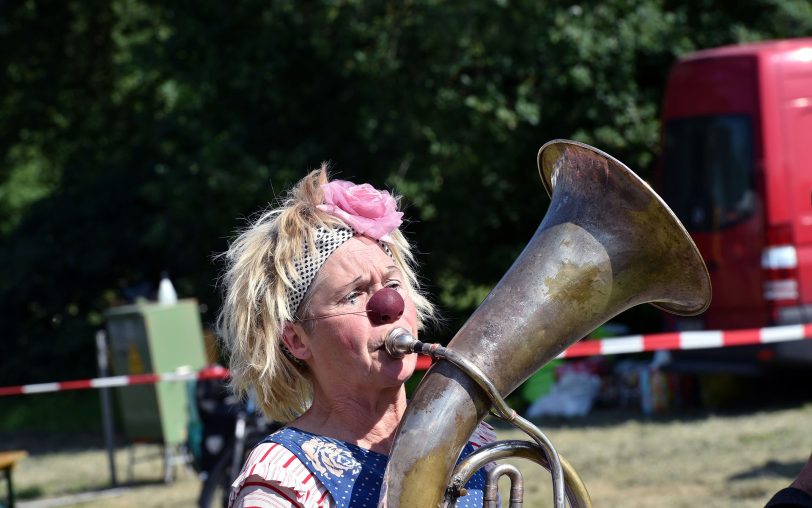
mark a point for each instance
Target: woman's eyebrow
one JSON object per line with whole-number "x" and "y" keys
{"x": 392, "y": 269}
{"x": 339, "y": 291}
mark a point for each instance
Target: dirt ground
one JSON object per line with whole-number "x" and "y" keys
{"x": 624, "y": 459}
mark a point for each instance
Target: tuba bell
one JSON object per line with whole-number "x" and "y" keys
{"x": 608, "y": 242}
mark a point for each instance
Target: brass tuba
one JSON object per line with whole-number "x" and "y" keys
{"x": 607, "y": 243}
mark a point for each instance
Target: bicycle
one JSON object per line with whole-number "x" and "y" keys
{"x": 224, "y": 428}
{"x": 250, "y": 428}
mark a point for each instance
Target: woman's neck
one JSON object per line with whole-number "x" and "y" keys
{"x": 366, "y": 422}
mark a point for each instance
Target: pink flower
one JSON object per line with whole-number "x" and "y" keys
{"x": 367, "y": 210}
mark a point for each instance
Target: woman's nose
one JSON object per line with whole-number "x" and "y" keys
{"x": 385, "y": 306}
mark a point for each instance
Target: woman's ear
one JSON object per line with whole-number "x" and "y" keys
{"x": 292, "y": 339}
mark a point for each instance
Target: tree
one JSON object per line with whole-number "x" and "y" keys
{"x": 136, "y": 133}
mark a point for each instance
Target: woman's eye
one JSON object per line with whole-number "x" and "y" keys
{"x": 394, "y": 284}
{"x": 351, "y": 298}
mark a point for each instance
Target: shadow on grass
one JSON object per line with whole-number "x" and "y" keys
{"x": 33, "y": 497}
{"x": 36, "y": 492}
{"x": 73, "y": 498}
{"x": 771, "y": 468}
{"x": 32, "y": 492}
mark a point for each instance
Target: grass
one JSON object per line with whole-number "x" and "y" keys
{"x": 706, "y": 460}
{"x": 64, "y": 466}
{"x": 625, "y": 460}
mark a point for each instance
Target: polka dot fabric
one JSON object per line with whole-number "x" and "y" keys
{"x": 354, "y": 475}
{"x": 327, "y": 241}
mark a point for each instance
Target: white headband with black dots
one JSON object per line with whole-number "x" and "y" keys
{"x": 326, "y": 241}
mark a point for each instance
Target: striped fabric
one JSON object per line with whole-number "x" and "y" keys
{"x": 273, "y": 477}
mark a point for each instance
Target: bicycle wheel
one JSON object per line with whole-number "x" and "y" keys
{"x": 218, "y": 483}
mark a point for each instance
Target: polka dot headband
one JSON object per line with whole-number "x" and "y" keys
{"x": 366, "y": 210}
{"x": 327, "y": 241}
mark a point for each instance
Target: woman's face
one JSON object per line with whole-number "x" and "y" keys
{"x": 347, "y": 351}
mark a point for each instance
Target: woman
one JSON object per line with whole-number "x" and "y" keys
{"x": 296, "y": 319}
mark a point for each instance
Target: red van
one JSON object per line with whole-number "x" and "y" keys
{"x": 736, "y": 167}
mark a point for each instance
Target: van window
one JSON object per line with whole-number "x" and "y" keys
{"x": 708, "y": 170}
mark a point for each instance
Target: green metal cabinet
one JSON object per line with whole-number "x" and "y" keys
{"x": 151, "y": 338}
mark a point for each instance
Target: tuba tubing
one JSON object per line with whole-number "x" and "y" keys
{"x": 607, "y": 243}
{"x": 576, "y": 492}
{"x": 400, "y": 341}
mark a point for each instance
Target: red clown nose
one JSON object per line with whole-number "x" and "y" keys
{"x": 385, "y": 306}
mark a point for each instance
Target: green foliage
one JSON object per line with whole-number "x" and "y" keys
{"x": 136, "y": 134}
{"x": 52, "y": 412}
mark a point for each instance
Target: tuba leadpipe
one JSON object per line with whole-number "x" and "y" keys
{"x": 399, "y": 342}
{"x": 607, "y": 243}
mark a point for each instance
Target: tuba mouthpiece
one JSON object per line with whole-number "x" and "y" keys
{"x": 399, "y": 342}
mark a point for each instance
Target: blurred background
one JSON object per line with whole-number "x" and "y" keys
{"x": 136, "y": 136}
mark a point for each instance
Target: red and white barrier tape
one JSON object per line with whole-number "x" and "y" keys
{"x": 107, "y": 382}
{"x": 586, "y": 347}
{"x": 688, "y": 340}
{"x": 423, "y": 363}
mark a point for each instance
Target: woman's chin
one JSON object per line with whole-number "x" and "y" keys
{"x": 399, "y": 370}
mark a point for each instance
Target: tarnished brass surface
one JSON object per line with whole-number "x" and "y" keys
{"x": 607, "y": 243}
{"x": 577, "y": 495}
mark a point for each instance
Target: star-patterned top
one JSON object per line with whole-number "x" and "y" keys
{"x": 294, "y": 468}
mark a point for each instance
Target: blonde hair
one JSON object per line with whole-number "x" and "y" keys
{"x": 259, "y": 269}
